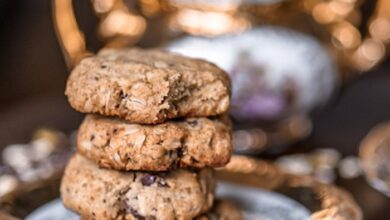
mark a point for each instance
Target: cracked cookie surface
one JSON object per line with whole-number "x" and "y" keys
{"x": 98, "y": 193}
{"x": 148, "y": 86}
{"x": 190, "y": 142}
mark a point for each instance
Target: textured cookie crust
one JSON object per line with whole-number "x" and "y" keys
{"x": 222, "y": 210}
{"x": 98, "y": 193}
{"x": 190, "y": 142}
{"x": 148, "y": 86}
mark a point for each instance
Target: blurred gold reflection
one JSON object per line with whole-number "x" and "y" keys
{"x": 208, "y": 23}
{"x": 345, "y": 35}
{"x": 103, "y": 6}
{"x": 123, "y": 23}
{"x": 119, "y": 26}
{"x": 120, "y": 22}
{"x": 380, "y": 29}
{"x": 71, "y": 39}
{"x": 323, "y": 14}
{"x": 374, "y": 153}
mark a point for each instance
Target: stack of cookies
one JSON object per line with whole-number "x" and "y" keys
{"x": 156, "y": 126}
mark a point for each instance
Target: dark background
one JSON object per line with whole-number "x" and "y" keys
{"x": 33, "y": 75}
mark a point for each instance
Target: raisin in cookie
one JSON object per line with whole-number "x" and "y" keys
{"x": 99, "y": 193}
{"x": 222, "y": 210}
{"x": 190, "y": 142}
{"x": 148, "y": 86}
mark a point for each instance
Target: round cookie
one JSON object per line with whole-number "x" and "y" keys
{"x": 148, "y": 86}
{"x": 98, "y": 193}
{"x": 222, "y": 210}
{"x": 190, "y": 142}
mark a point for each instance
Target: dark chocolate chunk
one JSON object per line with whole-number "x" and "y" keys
{"x": 179, "y": 152}
{"x": 122, "y": 95}
{"x": 148, "y": 179}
